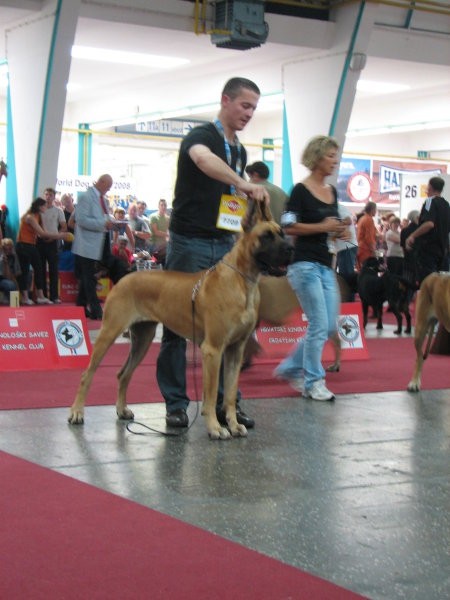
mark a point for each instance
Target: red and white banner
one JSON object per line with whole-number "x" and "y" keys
{"x": 278, "y": 341}
{"x": 68, "y": 287}
{"x": 43, "y": 338}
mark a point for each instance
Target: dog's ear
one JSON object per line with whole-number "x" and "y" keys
{"x": 264, "y": 211}
{"x": 256, "y": 211}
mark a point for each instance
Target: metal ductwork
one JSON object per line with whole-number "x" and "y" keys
{"x": 239, "y": 24}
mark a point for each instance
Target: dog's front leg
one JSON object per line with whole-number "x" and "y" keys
{"x": 211, "y": 359}
{"x": 232, "y": 367}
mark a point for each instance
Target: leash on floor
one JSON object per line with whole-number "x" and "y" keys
{"x": 181, "y": 432}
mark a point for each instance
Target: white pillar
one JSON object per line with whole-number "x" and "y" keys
{"x": 39, "y": 56}
{"x": 319, "y": 89}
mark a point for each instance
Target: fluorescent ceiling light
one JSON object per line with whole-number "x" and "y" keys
{"x": 380, "y": 87}
{"x": 400, "y": 128}
{"x": 127, "y": 58}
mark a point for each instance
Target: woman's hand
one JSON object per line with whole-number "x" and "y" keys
{"x": 333, "y": 225}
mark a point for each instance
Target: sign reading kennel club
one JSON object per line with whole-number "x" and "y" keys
{"x": 43, "y": 338}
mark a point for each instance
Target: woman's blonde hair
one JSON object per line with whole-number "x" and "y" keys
{"x": 316, "y": 149}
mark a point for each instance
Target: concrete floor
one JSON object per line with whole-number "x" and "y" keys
{"x": 356, "y": 491}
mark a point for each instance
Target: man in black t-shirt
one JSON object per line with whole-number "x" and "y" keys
{"x": 432, "y": 235}
{"x": 211, "y": 164}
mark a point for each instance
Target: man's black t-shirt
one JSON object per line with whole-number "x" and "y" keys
{"x": 435, "y": 242}
{"x": 195, "y": 207}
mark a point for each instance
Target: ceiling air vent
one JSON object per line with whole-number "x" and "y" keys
{"x": 239, "y": 25}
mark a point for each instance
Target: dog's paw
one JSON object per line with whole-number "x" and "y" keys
{"x": 219, "y": 433}
{"x": 413, "y": 386}
{"x": 125, "y": 414}
{"x": 76, "y": 417}
{"x": 398, "y": 332}
{"x": 333, "y": 368}
{"x": 408, "y": 330}
{"x": 239, "y": 431}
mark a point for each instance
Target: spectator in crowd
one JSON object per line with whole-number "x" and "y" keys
{"x": 410, "y": 255}
{"x": 394, "y": 254}
{"x": 122, "y": 252}
{"x": 346, "y": 249}
{"x": 53, "y": 220}
{"x": 431, "y": 237}
{"x": 92, "y": 245}
{"x": 259, "y": 174}
{"x": 141, "y": 211}
{"x": 9, "y": 268}
{"x": 312, "y": 217}
{"x": 367, "y": 234}
{"x": 211, "y": 164}
{"x": 122, "y": 227}
{"x": 139, "y": 228}
{"x": 29, "y": 230}
{"x": 66, "y": 257}
{"x": 159, "y": 225}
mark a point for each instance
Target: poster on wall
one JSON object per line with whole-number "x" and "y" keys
{"x": 354, "y": 183}
{"x": 387, "y": 174}
{"x": 413, "y": 191}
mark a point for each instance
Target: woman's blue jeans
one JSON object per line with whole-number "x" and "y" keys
{"x": 317, "y": 291}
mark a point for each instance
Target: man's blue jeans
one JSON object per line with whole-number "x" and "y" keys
{"x": 316, "y": 288}
{"x": 188, "y": 255}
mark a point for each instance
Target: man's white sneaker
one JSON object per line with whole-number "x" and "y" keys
{"x": 43, "y": 301}
{"x": 318, "y": 391}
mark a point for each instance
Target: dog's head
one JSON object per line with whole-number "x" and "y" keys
{"x": 373, "y": 263}
{"x": 268, "y": 246}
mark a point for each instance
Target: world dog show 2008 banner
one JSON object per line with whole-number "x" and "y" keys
{"x": 43, "y": 338}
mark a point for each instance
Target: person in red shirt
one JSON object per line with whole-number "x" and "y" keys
{"x": 122, "y": 252}
{"x": 29, "y": 231}
{"x": 367, "y": 234}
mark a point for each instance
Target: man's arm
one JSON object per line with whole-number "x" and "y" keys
{"x": 421, "y": 230}
{"x": 216, "y": 168}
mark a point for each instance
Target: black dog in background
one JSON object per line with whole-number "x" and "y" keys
{"x": 374, "y": 289}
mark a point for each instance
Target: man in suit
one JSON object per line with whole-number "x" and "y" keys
{"x": 92, "y": 242}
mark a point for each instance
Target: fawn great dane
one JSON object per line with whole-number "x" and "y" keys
{"x": 432, "y": 306}
{"x": 217, "y": 309}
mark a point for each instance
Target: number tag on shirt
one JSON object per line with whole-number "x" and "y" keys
{"x": 231, "y": 211}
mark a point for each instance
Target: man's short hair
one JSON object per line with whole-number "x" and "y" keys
{"x": 437, "y": 183}
{"x": 234, "y": 85}
{"x": 259, "y": 168}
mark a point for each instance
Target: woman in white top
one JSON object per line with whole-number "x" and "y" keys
{"x": 395, "y": 256}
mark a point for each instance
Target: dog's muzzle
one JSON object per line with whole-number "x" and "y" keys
{"x": 279, "y": 256}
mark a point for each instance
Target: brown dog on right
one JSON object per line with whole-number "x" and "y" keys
{"x": 433, "y": 305}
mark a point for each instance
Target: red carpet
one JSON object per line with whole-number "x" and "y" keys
{"x": 60, "y": 538}
{"x": 389, "y": 368}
